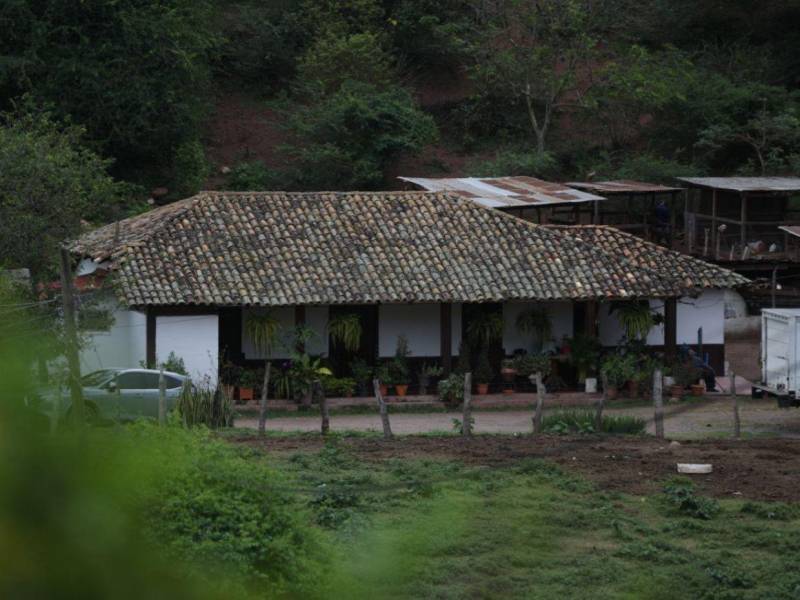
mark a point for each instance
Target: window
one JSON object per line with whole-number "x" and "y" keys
{"x": 172, "y": 382}
{"x": 134, "y": 380}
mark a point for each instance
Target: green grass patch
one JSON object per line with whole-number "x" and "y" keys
{"x": 583, "y": 421}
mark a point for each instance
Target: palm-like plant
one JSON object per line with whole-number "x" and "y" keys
{"x": 635, "y": 317}
{"x": 346, "y": 330}
{"x": 535, "y": 322}
{"x": 484, "y": 329}
{"x": 262, "y": 329}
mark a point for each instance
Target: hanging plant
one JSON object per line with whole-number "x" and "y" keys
{"x": 635, "y": 318}
{"x": 536, "y": 322}
{"x": 346, "y": 330}
{"x": 484, "y": 329}
{"x": 262, "y": 329}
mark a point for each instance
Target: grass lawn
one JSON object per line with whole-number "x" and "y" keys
{"x": 415, "y": 528}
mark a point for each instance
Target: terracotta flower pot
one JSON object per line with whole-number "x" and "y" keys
{"x": 697, "y": 389}
{"x": 245, "y": 394}
{"x": 633, "y": 389}
{"x": 401, "y": 389}
{"x": 384, "y": 389}
{"x": 676, "y": 391}
{"x": 612, "y": 392}
{"x": 508, "y": 375}
{"x": 483, "y": 389}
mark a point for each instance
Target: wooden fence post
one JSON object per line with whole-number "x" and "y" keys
{"x": 324, "y": 413}
{"x": 658, "y": 401}
{"x": 537, "y": 416}
{"x": 601, "y": 403}
{"x": 162, "y": 398}
{"x": 262, "y": 405}
{"x": 737, "y": 423}
{"x": 466, "y": 423}
{"x": 387, "y": 429}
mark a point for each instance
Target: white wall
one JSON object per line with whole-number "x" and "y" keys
{"x": 420, "y": 323}
{"x": 123, "y": 345}
{"x": 195, "y": 339}
{"x": 706, "y": 311}
{"x": 317, "y": 320}
{"x": 560, "y": 315}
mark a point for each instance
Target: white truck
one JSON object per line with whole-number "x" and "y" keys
{"x": 780, "y": 354}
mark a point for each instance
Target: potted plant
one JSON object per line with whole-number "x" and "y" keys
{"x": 305, "y": 370}
{"x": 617, "y": 369}
{"x": 400, "y": 374}
{"x": 451, "y": 389}
{"x": 229, "y": 374}
{"x": 247, "y": 383}
{"x": 426, "y": 375}
{"x": 508, "y": 371}
{"x": 684, "y": 374}
{"x": 384, "y": 377}
{"x": 339, "y": 387}
{"x": 263, "y": 329}
{"x": 528, "y": 365}
{"x": 483, "y": 372}
{"x": 584, "y": 353}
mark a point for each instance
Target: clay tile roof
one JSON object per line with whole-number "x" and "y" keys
{"x": 276, "y": 248}
{"x": 692, "y": 272}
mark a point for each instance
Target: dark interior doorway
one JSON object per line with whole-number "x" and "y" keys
{"x": 475, "y": 314}
{"x": 340, "y": 358}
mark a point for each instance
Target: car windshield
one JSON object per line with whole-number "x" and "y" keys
{"x": 96, "y": 378}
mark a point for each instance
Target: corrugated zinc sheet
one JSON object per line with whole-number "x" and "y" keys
{"x": 622, "y": 186}
{"x": 791, "y": 229}
{"x": 506, "y": 192}
{"x": 746, "y": 184}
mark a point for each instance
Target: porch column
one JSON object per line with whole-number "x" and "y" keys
{"x": 150, "y": 337}
{"x": 714, "y": 232}
{"x": 446, "y": 336}
{"x": 743, "y": 227}
{"x": 670, "y": 327}
{"x": 590, "y": 319}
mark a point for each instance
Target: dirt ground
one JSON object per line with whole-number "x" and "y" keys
{"x": 682, "y": 420}
{"x": 758, "y": 469}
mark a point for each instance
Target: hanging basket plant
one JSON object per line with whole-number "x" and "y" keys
{"x": 635, "y": 317}
{"x": 346, "y": 330}
{"x": 536, "y": 322}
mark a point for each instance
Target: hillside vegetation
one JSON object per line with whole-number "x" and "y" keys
{"x": 324, "y": 94}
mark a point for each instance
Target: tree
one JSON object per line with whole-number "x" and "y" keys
{"x": 348, "y": 139}
{"x": 538, "y": 56}
{"x": 768, "y": 134}
{"x": 49, "y": 183}
{"x": 133, "y": 72}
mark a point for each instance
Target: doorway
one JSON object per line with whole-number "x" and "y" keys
{"x": 340, "y": 357}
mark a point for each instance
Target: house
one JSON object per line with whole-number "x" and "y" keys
{"x": 424, "y": 265}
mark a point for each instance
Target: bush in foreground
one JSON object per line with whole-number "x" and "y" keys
{"x": 583, "y": 421}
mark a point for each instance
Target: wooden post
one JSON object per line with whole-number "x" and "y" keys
{"x": 737, "y": 422}
{"x": 537, "y": 416}
{"x": 466, "y": 423}
{"x": 162, "y": 398}
{"x": 714, "y": 231}
{"x": 324, "y": 414}
{"x": 262, "y": 405}
{"x": 658, "y": 401}
{"x": 670, "y": 328}
{"x": 387, "y": 429}
{"x": 601, "y": 403}
{"x": 705, "y": 242}
{"x": 73, "y": 361}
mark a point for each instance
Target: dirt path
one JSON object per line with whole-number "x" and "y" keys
{"x": 758, "y": 469}
{"x": 682, "y": 421}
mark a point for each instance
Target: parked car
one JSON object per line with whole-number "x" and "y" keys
{"x": 119, "y": 394}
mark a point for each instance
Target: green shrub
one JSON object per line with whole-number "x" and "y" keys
{"x": 252, "y": 176}
{"x": 189, "y": 168}
{"x": 680, "y": 493}
{"x": 451, "y": 390}
{"x": 583, "y": 421}
{"x": 339, "y": 386}
{"x": 508, "y": 163}
{"x": 204, "y": 406}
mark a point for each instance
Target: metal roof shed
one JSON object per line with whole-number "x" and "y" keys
{"x": 729, "y": 213}
{"x": 514, "y": 194}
